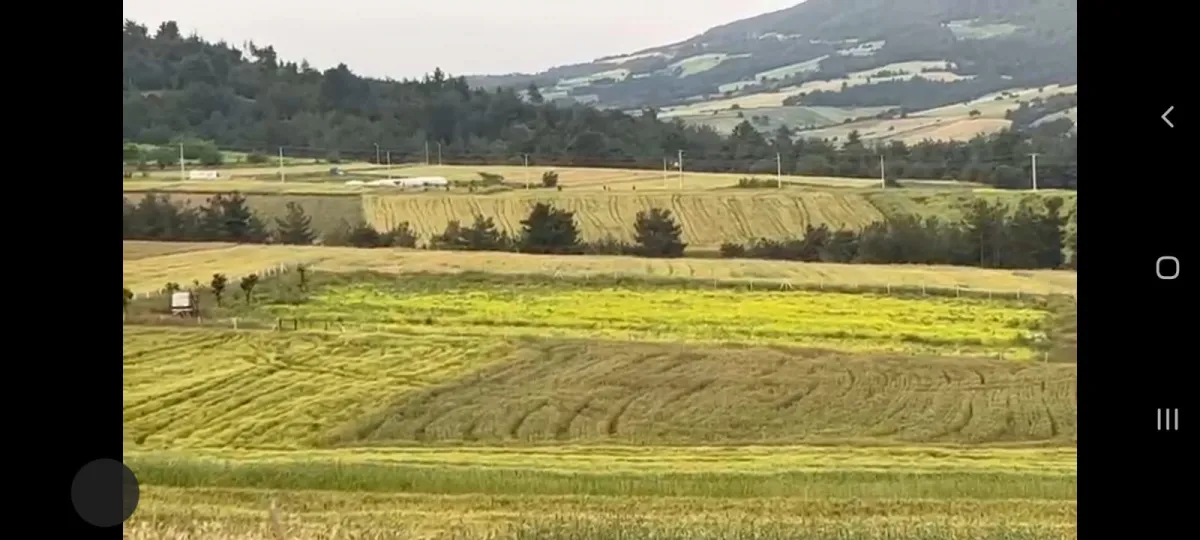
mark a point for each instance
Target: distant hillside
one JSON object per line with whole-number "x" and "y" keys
{"x": 905, "y": 55}
{"x": 179, "y": 89}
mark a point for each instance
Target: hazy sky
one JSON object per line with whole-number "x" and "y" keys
{"x": 405, "y": 38}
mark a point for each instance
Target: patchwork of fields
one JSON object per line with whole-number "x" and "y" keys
{"x": 413, "y": 394}
{"x": 709, "y": 214}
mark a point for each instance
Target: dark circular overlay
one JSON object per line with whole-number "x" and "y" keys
{"x": 104, "y": 492}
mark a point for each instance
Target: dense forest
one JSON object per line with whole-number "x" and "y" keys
{"x": 182, "y": 87}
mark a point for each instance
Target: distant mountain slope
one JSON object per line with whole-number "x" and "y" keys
{"x": 979, "y": 46}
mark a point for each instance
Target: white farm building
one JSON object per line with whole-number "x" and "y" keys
{"x": 418, "y": 182}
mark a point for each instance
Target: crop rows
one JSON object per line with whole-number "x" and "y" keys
{"x": 708, "y": 219}
{"x": 643, "y": 393}
{"x": 275, "y": 389}
{"x": 189, "y": 387}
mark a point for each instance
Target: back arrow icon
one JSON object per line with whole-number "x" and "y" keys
{"x": 1164, "y": 116}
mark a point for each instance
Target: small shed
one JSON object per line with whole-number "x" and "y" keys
{"x": 184, "y": 303}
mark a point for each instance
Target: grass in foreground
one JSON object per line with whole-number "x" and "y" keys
{"x": 149, "y": 274}
{"x": 202, "y": 387}
{"x": 245, "y": 513}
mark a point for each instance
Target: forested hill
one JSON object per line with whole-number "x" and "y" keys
{"x": 177, "y": 86}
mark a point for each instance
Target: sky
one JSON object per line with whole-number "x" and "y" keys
{"x": 407, "y": 38}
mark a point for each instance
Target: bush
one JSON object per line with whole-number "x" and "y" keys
{"x": 730, "y": 250}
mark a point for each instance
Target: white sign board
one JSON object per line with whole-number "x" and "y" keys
{"x": 203, "y": 175}
{"x": 181, "y": 300}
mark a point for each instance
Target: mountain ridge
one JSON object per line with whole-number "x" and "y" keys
{"x": 987, "y": 46}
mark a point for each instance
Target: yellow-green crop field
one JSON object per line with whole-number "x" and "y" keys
{"x": 150, "y": 265}
{"x": 482, "y": 396}
{"x": 842, "y": 321}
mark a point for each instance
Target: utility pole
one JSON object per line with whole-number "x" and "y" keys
{"x": 778, "y": 170}
{"x": 882, "y": 173}
{"x": 1033, "y": 169}
{"x": 439, "y": 154}
{"x": 426, "y": 153}
{"x": 282, "y": 178}
{"x": 182, "y": 170}
{"x": 525, "y": 159}
{"x": 665, "y": 172}
{"x": 377, "y": 160}
{"x": 680, "y": 163}
{"x": 389, "y": 164}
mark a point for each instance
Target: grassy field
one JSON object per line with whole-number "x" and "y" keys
{"x": 519, "y": 404}
{"x": 149, "y": 265}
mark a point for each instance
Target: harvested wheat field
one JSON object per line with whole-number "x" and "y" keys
{"x": 708, "y": 220}
{"x": 134, "y": 250}
{"x": 267, "y": 389}
{"x": 150, "y": 274}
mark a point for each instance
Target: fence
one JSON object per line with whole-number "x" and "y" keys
{"x": 269, "y": 272}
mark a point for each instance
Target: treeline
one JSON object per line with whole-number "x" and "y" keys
{"x": 1036, "y": 235}
{"x": 184, "y": 88}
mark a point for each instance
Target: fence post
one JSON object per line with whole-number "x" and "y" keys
{"x": 957, "y": 292}
{"x": 922, "y": 288}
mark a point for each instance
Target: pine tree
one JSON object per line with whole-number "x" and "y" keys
{"x": 295, "y": 227}
{"x": 657, "y": 234}
{"x": 549, "y": 230}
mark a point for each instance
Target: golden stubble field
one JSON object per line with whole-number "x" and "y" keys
{"x": 707, "y": 219}
{"x": 144, "y": 273}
